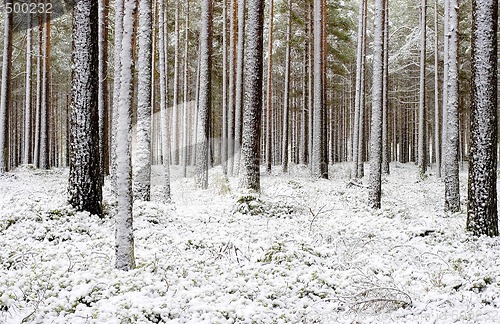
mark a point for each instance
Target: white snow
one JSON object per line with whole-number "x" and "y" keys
{"x": 305, "y": 251}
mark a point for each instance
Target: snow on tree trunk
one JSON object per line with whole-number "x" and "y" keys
{"x": 185, "y": 105}
{"x": 422, "y": 136}
{"x": 224, "y": 88}
{"x": 375, "y": 185}
{"x": 124, "y": 236}
{"x": 250, "y": 149}
{"x": 116, "y": 86}
{"x": 359, "y": 89}
{"x": 269, "y": 91}
{"x": 103, "y": 88}
{"x": 385, "y": 98}
{"x": 482, "y": 217}
{"x": 27, "y": 111}
{"x": 84, "y": 188}
{"x": 36, "y": 153}
{"x": 437, "y": 123}
{"x": 165, "y": 140}
{"x": 445, "y": 81}
{"x": 303, "y": 125}
{"x": 286, "y": 99}
{"x": 175, "y": 111}
{"x": 5, "y": 90}
{"x": 452, "y": 189}
{"x": 318, "y": 161}
{"x": 142, "y": 161}
{"x": 205, "y": 95}
{"x": 45, "y": 95}
{"x": 238, "y": 113}
{"x": 232, "y": 89}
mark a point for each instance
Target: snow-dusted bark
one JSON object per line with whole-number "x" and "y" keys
{"x": 310, "y": 80}
{"x": 27, "y": 105}
{"x": 165, "y": 140}
{"x": 286, "y": 96}
{"x": 250, "y": 149}
{"x": 303, "y": 125}
{"x": 185, "y": 105}
{"x": 5, "y": 90}
{"x": 269, "y": 92}
{"x": 45, "y": 95}
{"x": 232, "y": 86}
{"x": 422, "y": 136}
{"x": 175, "y": 110}
{"x": 224, "y": 88}
{"x": 437, "y": 122}
{"x": 103, "y": 88}
{"x": 452, "y": 189}
{"x": 36, "y": 153}
{"x": 124, "y": 236}
{"x": 482, "y": 217}
{"x": 318, "y": 158}
{"x": 238, "y": 112}
{"x": 205, "y": 95}
{"x": 385, "y": 98}
{"x": 116, "y": 85}
{"x": 375, "y": 184}
{"x": 142, "y": 160}
{"x": 446, "y": 43}
{"x": 84, "y": 189}
{"x": 359, "y": 89}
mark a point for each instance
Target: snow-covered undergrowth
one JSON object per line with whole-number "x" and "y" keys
{"x": 305, "y": 251}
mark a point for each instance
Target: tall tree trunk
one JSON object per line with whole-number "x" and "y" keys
{"x": 36, "y": 153}
{"x": 27, "y": 110}
{"x": 224, "y": 88}
{"x": 303, "y": 109}
{"x": 385, "y": 98}
{"x": 375, "y": 192}
{"x": 84, "y": 188}
{"x": 5, "y": 92}
{"x": 482, "y": 217}
{"x": 205, "y": 94}
{"x": 175, "y": 111}
{"x": 422, "y": 111}
{"x": 437, "y": 138}
{"x": 103, "y": 88}
{"x": 45, "y": 99}
{"x": 185, "y": 106}
{"x": 269, "y": 92}
{"x": 238, "y": 113}
{"x": 165, "y": 140}
{"x": 142, "y": 159}
{"x": 286, "y": 99}
{"x": 446, "y": 60}
{"x": 318, "y": 157}
{"x": 250, "y": 173}
{"x": 452, "y": 189}
{"x": 232, "y": 89}
{"x": 124, "y": 236}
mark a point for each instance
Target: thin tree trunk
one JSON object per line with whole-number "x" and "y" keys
{"x": 5, "y": 92}
{"x": 232, "y": 90}
{"x": 437, "y": 138}
{"x": 422, "y": 111}
{"x": 286, "y": 99}
{"x": 224, "y": 88}
{"x": 238, "y": 113}
{"x": 269, "y": 99}
{"x": 103, "y": 89}
{"x": 45, "y": 96}
{"x": 452, "y": 189}
{"x": 375, "y": 186}
{"x": 385, "y": 98}
{"x": 175, "y": 111}
{"x": 27, "y": 110}
{"x": 142, "y": 159}
{"x": 185, "y": 115}
{"x": 204, "y": 112}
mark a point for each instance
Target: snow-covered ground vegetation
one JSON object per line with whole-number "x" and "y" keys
{"x": 304, "y": 251}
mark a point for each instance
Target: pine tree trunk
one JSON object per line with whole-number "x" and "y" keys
{"x": 27, "y": 110}
{"x": 375, "y": 186}
{"x": 232, "y": 89}
{"x": 185, "y": 106}
{"x": 269, "y": 92}
{"x": 84, "y": 188}
{"x": 224, "y": 88}
{"x": 36, "y": 153}
{"x": 142, "y": 160}
{"x": 238, "y": 113}
{"x": 286, "y": 99}
{"x": 124, "y": 236}
{"x": 385, "y": 98}
{"x": 422, "y": 136}
{"x": 452, "y": 189}
{"x": 204, "y": 112}
{"x": 164, "y": 122}
{"x": 482, "y": 216}
{"x": 5, "y": 92}
{"x": 175, "y": 110}
{"x": 103, "y": 89}
{"x": 250, "y": 173}
{"x": 437, "y": 138}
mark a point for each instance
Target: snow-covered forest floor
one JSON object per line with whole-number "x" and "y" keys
{"x": 303, "y": 252}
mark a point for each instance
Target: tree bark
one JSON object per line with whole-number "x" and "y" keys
{"x": 286, "y": 99}
{"x": 269, "y": 92}
{"x": 27, "y": 110}
{"x": 238, "y": 113}
{"x": 422, "y": 111}
{"x": 482, "y": 217}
